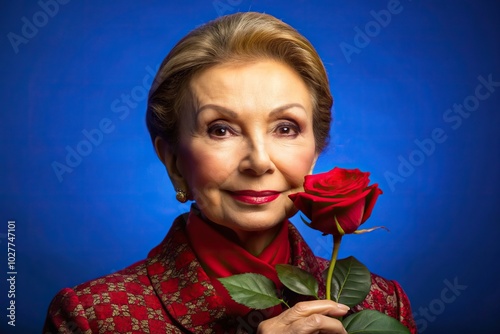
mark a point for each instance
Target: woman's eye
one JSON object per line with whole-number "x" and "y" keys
{"x": 219, "y": 130}
{"x": 287, "y": 130}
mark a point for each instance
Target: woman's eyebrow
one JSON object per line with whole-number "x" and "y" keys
{"x": 223, "y": 110}
{"x": 286, "y": 107}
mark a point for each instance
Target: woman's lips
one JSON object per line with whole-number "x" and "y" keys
{"x": 255, "y": 197}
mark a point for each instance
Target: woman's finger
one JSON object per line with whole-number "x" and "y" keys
{"x": 307, "y": 317}
{"x": 304, "y": 309}
{"x": 316, "y": 323}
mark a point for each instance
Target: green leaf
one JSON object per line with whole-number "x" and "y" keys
{"x": 373, "y": 322}
{"x": 351, "y": 282}
{"x": 252, "y": 290}
{"x": 297, "y": 280}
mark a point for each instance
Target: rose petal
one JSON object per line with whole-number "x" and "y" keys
{"x": 371, "y": 199}
{"x": 350, "y": 219}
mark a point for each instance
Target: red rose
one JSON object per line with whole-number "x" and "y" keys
{"x": 337, "y": 202}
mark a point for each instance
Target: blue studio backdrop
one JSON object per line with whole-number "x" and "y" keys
{"x": 417, "y": 92}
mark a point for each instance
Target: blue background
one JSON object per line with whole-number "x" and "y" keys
{"x": 75, "y": 71}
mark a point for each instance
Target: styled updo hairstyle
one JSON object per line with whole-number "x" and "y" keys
{"x": 241, "y": 37}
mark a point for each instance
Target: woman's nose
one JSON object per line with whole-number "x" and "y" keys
{"x": 256, "y": 159}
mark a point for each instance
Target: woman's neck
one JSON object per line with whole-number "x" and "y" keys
{"x": 255, "y": 242}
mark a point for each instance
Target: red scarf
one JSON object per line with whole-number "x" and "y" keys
{"x": 222, "y": 256}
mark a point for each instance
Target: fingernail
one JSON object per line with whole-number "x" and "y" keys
{"x": 343, "y": 307}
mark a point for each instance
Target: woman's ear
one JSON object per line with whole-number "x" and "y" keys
{"x": 168, "y": 156}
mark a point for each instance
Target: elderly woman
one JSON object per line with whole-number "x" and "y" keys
{"x": 238, "y": 113}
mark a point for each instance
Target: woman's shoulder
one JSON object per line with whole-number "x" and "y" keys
{"x": 130, "y": 278}
{"x": 115, "y": 288}
{"x": 116, "y": 302}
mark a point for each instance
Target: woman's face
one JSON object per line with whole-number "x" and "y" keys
{"x": 246, "y": 143}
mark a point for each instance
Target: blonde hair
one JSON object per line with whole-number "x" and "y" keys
{"x": 238, "y": 37}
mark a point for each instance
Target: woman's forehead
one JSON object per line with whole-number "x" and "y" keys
{"x": 257, "y": 81}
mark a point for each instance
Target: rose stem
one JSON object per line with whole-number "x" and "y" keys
{"x": 336, "y": 245}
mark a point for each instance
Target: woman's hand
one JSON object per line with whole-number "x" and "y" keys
{"x": 307, "y": 317}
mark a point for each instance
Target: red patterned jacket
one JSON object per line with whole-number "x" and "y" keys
{"x": 169, "y": 292}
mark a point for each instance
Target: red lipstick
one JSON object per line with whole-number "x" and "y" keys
{"x": 255, "y": 197}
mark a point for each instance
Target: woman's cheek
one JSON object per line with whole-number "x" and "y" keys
{"x": 290, "y": 209}
{"x": 297, "y": 164}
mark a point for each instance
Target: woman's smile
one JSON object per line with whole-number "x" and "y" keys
{"x": 255, "y": 197}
